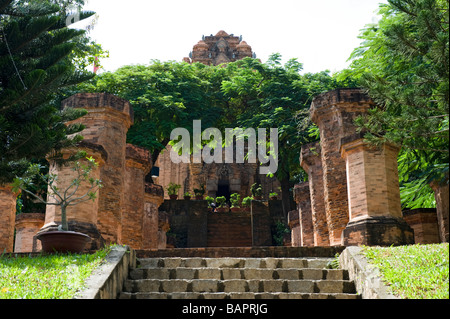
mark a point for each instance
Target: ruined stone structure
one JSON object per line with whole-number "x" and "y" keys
{"x": 7, "y": 217}
{"x": 27, "y": 225}
{"x": 375, "y": 215}
{"x": 218, "y": 179}
{"x": 441, "y": 194}
{"x": 126, "y": 210}
{"x": 218, "y": 49}
{"x": 192, "y": 225}
{"x": 311, "y": 162}
{"x": 354, "y": 189}
{"x": 424, "y": 222}
{"x": 306, "y": 227}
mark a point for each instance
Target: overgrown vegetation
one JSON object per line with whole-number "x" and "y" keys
{"x": 415, "y": 271}
{"x": 56, "y": 276}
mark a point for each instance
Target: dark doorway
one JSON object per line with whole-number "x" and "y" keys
{"x": 223, "y": 190}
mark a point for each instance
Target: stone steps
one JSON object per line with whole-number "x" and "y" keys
{"x": 235, "y": 295}
{"x": 237, "y": 278}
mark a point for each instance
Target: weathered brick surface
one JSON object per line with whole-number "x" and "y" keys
{"x": 303, "y": 200}
{"x": 107, "y": 123}
{"x": 310, "y": 160}
{"x": 334, "y": 113}
{"x": 27, "y": 225}
{"x": 231, "y": 229}
{"x": 7, "y": 217}
{"x": 137, "y": 166}
{"x": 441, "y": 194}
{"x": 294, "y": 225}
{"x": 374, "y": 195}
{"x": 424, "y": 223}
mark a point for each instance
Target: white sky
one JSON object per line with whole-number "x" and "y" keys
{"x": 319, "y": 33}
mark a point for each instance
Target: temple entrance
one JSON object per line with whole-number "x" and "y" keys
{"x": 223, "y": 189}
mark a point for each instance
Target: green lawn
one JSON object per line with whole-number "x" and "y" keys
{"x": 57, "y": 276}
{"x": 415, "y": 271}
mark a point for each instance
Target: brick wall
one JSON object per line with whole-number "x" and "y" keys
{"x": 231, "y": 229}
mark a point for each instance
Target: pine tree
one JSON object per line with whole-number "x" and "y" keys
{"x": 35, "y": 64}
{"x": 403, "y": 63}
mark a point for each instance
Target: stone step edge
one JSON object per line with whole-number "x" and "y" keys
{"x": 236, "y": 252}
{"x": 218, "y": 273}
{"x": 236, "y": 295}
{"x": 234, "y": 262}
{"x": 249, "y": 285}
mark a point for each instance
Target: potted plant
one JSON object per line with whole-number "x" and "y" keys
{"x": 187, "y": 196}
{"x": 210, "y": 201}
{"x": 256, "y": 190}
{"x": 273, "y": 196}
{"x": 246, "y": 202}
{"x": 172, "y": 190}
{"x": 235, "y": 199}
{"x": 221, "y": 202}
{"x": 62, "y": 240}
{"x": 199, "y": 192}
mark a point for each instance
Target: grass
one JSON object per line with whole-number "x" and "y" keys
{"x": 56, "y": 276}
{"x": 415, "y": 271}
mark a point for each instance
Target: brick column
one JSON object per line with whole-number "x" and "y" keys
{"x": 7, "y": 218}
{"x": 424, "y": 223}
{"x": 83, "y": 216}
{"x": 302, "y": 198}
{"x": 154, "y": 197}
{"x": 27, "y": 225}
{"x": 138, "y": 165}
{"x": 311, "y": 162}
{"x": 163, "y": 228}
{"x": 294, "y": 225}
{"x": 442, "y": 207}
{"x": 107, "y": 122}
{"x": 375, "y": 215}
{"x": 334, "y": 113}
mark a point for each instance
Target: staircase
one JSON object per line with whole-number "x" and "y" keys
{"x": 237, "y": 278}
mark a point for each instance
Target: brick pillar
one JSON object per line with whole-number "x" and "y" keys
{"x": 311, "y": 162}
{"x": 7, "y": 218}
{"x": 424, "y": 223}
{"x": 375, "y": 215}
{"x": 163, "y": 228}
{"x": 138, "y": 165}
{"x": 294, "y": 225}
{"x": 302, "y": 198}
{"x": 107, "y": 122}
{"x": 442, "y": 208}
{"x": 27, "y": 225}
{"x": 154, "y": 197}
{"x": 334, "y": 113}
{"x": 83, "y": 216}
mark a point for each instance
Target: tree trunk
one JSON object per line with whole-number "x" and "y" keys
{"x": 64, "y": 225}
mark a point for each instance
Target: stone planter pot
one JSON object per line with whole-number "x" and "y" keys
{"x": 63, "y": 241}
{"x": 187, "y": 197}
{"x": 173, "y": 197}
{"x": 222, "y": 209}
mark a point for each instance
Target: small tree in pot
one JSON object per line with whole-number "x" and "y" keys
{"x": 172, "y": 190}
{"x": 221, "y": 200}
{"x": 235, "y": 199}
{"x": 69, "y": 196}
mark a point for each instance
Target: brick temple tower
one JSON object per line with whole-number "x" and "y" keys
{"x": 219, "y": 48}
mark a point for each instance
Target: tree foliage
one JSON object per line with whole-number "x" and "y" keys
{"x": 36, "y": 62}
{"x": 403, "y": 63}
